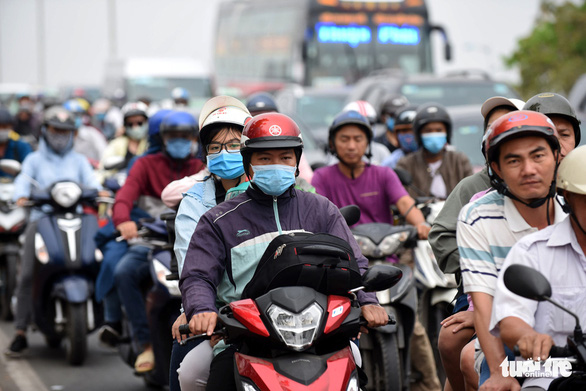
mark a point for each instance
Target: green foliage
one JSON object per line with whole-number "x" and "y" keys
{"x": 554, "y": 55}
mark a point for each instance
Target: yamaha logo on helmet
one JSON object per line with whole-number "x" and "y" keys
{"x": 275, "y": 130}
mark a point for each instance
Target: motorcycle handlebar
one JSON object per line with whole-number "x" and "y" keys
{"x": 555, "y": 351}
{"x": 391, "y": 320}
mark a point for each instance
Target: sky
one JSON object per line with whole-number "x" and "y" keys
{"x": 65, "y": 42}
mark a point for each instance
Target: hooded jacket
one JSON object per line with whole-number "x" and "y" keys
{"x": 230, "y": 239}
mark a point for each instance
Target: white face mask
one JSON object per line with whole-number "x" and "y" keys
{"x": 4, "y": 135}
{"x": 137, "y": 132}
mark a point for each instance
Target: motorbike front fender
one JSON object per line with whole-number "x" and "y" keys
{"x": 73, "y": 289}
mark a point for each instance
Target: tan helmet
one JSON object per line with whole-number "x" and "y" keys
{"x": 570, "y": 175}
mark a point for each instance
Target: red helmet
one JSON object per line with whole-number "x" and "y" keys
{"x": 270, "y": 131}
{"x": 517, "y": 124}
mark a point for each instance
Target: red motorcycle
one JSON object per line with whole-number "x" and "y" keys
{"x": 297, "y": 336}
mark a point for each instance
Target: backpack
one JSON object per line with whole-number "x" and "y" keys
{"x": 321, "y": 261}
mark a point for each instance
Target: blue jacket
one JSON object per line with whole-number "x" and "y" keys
{"x": 16, "y": 150}
{"x": 230, "y": 239}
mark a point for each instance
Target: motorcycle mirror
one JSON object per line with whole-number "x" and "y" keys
{"x": 527, "y": 282}
{"x": 404, "y": 176}
{"x": 114, "y": 163}
{"x": 11, "y": 167}
{"x": 351, "y": 214}
{"x": 380, "y": 277}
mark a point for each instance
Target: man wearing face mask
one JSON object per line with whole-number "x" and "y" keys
{"x": 134, "y": 140}
{"x": 403, "y": 130}
{"x": 148, "y": 177}
{"x": 89, "y": 141}
{"x": 10, "y": 146}
{"x": 54, "y": 161}
{"x": 230, "y": 238}
{"x": 435, "y": 169}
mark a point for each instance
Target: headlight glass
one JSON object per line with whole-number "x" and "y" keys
{"x": 353, "y": 384}
{"x": 296, "y": 330}
{"x": 161, "y": 271}
{"x": 367, "y": 247}
{"x": 246, "y": 386}
{"x": 391, "y": 243}
{"x": 66, "y": 194}
{"x": 40, "y": 249}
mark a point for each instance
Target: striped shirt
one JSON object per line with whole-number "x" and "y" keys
{"x": 487, "y": 229}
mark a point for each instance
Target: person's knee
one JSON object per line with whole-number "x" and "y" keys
{"x": 450, "y": 344}
{"x": 467, "y": 360}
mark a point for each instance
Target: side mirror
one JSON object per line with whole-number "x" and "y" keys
{"x": 404, "y": 176}
{"x": 114, "y": 163}
{"x": 527, "y": 282}
{"x": 351, "y": 214}
{"x": 381, "y": 277}
{"x": 11, "y": 167}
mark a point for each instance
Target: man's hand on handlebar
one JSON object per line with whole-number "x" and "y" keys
{"x": 375, "y": 315}
{"x": 128, "y": 230}
{"x": 204, "y": 322}
{"x": 423, "y": 230}
{"x": 181, "y": 319}
{"x": 535, "y": 346}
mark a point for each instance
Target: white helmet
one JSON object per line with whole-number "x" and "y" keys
{"x": 364, "y": 108}
{"x": 223, "y": 109}
{"x": 134, "y": 108}
{"x": 570, "y": 174}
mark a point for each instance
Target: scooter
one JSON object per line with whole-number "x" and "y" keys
{"x": 531, "y": 284}
{"x": 386, "y": 350}
{"x": 12, "y": 222}
{"x": 162, "y": 296}
{"x": 296, "y": 337}
{"x": 67, "y": 264}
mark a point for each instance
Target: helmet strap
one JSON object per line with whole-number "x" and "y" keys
{"x": 568, "y": 209}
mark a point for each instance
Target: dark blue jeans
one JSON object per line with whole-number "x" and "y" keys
{"x": 132, "y": 269}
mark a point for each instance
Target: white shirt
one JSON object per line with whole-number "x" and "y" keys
{"x": 555, "y": 252}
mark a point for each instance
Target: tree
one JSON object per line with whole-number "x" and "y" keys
{"x": 554, "y": 55}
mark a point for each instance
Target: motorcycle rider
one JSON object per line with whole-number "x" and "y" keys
{"x": 230, "y": 238}
{"x": 388, "y": 116}
{"x": 89, "y": 141}
{"x": 55, "y": 160}
{"x": 435, "y": 168}
{"x": 522, "y": 152}
{"x": 10, "y": 146}
{"x": 558, "y": 253}
{"x": 134, "y": 140}
{"x": 459, "y": 328}
{"x": 403, "y": 131}
{"x": 561, "y": 112}
{"x": 180, "y": 97}
{"x": 148, "y": 177}
{"x": 374, "y": 189}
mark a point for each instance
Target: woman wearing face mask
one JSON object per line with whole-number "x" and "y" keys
{"x": 435, "y": 168}
{"x": 133, "y": 142}
{"x": 221, "y": 121}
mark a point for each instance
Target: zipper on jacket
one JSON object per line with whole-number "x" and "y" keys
{"x": 276, "y": 210}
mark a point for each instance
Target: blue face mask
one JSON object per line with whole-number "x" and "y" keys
{"x": 178, "y": 148}
{"x": 434, "y": 142}
{"x": 390, "y": 123}
{"x": 225, "y": 165}
{"x": 273, "y": 179}
{"x": 407, "y": 142}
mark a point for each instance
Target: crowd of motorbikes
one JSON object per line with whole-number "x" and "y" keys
{"x": 293, "y": 334}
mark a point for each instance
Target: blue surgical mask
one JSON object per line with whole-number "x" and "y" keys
{"x": 178, "y": 148}
{"x": 408, "y": 142}
{"x": 434, "y": 142}
{"x": 273, "y": 179}
{"x": 225, "y": 165}
{"x": 390, "y": 123}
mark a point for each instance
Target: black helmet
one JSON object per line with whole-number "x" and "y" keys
{"x": 431, "y": 112}
{"x": 405, "y": 116}
{"x": 6, "y": 117}
{"x": 59, "y": 118}
{"x": 393, "y": 104}
{"x": 550, "y": 103}
{"x": 261, "y": 102}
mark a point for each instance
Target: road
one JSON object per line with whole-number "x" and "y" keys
{"x": 45, "y": 369}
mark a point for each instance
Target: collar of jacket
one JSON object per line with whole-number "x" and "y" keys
{"x": 260, "y": 197}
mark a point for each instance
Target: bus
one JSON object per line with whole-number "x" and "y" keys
{"x": 265, "y": 44}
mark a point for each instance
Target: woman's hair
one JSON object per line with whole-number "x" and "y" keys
{"x": 213, "y": 130}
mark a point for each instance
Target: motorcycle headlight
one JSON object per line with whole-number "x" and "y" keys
{"x": 367, "y": 247}
{"x": 246, "y": 386}
{"x": 391, "y": 243}
{"x": 353, "y": 384}
{"x": 161, "y": 271}
{"x": 66, "y": 194}
{"x": 40, "y": 249}
{"x": 296, "y": 330}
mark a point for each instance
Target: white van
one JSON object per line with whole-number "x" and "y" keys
{"x": 155, "y": 78}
